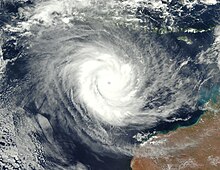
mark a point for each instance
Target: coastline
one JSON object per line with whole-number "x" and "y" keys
{"x": 193, "y": 147}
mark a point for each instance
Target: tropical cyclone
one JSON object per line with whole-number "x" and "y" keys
{"x": 82, "y": 79}
{"x": 105, "y": 83}
{"x": 103, "y": 79}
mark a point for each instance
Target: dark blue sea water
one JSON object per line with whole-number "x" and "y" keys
{"x": 73, "y": 151}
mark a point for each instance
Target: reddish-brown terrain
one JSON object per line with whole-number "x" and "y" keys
{"x": 188, "y": 148}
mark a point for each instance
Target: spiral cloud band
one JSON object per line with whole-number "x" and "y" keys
{"x": 101, "y": 83}
{"x": 106, "y": 85}
{"x": 108, "y": 82}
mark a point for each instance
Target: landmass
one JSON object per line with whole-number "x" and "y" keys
{"x": 185, "y": 39}
{"x": 188, "y": 148}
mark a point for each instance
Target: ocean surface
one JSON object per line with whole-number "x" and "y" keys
{"x": 84, "y": 83}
